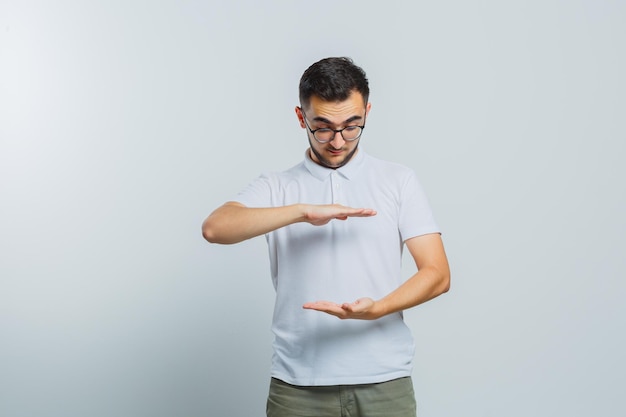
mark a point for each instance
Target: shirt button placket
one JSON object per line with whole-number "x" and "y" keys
{"x": 336, "y": 188}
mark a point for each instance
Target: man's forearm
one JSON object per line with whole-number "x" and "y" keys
{"x": 233, "y": 223}
{"x": 431, "y": 279}
{"x": 425, "y": 285}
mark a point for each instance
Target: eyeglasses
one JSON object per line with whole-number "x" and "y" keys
{"x": 325, "y": 134}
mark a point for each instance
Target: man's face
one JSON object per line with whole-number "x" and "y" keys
{"x": 334, "y": 115}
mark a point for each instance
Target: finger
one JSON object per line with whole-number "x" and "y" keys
{"x": 327, "y": 307}
{"x": 360, "y": 306}
{"x": 363, "y": 213}
{"x": 351, "y": 308}
{"x": 317, "y": 305}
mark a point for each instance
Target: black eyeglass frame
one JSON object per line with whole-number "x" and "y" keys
{"x": 335, "y": 131}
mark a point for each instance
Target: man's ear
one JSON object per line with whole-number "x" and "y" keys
{"x": 300, "y": 117}
{"x": 367, "y": 108}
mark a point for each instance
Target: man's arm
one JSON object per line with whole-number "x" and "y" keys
{"x": 431, "y": 280}
{"x": 233, "y": 222}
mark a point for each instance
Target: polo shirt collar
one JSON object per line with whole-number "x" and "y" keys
{"x": 348, "y": 171}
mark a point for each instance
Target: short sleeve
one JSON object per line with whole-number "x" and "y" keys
{"x": 415, "y": 217}
{"x": 257, "y": 193}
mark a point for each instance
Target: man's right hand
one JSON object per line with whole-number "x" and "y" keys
{"x": 319, "y": 215}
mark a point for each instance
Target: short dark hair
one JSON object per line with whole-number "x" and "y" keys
{"x": 333, "y": 79}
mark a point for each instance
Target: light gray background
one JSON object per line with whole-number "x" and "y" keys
{"x": 124, "y": 123}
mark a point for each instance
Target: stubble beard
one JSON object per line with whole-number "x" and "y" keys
{"x": 326, "y": 163}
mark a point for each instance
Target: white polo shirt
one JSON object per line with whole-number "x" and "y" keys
{"x": 340, "y": 262}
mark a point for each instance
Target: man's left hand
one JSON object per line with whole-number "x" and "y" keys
{"x": 362, "y": 309}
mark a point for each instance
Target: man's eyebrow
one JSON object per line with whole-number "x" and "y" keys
{"x": 328, "y": 122}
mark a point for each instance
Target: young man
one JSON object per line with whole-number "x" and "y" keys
{"x": 336, "y": 225}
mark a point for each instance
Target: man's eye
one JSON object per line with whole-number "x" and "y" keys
{"x": 351, "y": 128}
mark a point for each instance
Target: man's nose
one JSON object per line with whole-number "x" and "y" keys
{"x": 337, "y": 141}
